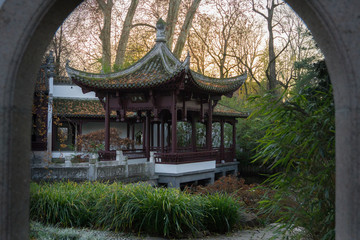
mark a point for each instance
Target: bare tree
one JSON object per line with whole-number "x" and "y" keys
{"x": 217, "y": 37}
{"x": 180, "y": 43}
{"x": 268, "y": 16}
{"x": 106, "y": 8}
{"x": 246, "y": 49}
{"x": 125, "y": 33}
{"x": 171, "y": 20}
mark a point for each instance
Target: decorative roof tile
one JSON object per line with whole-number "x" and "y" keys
{"x": 217, "y": 85}
{"x": 155, "y": 68}
{"x": 69, "y": 107}
{"x": 158, "y": 67}
{"x": 222, "y": 110}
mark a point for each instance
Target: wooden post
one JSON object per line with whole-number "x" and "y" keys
{"x": 222, "y": 155}
{"x": 107, "y": 123}
{"x": 209, "y": 127}
{"x": 144, "y": 135}
{"x": 133, "y": 135}
{"x": 168, "y": 135}
{"x": 128, "y": 134}
{"x": 79, "y": 133}
{"x": 173, "y": 123}
{"x": 151, "y": 136}
{"x": 234, "y": 140}
{"x": 162, "y": 134}
{"x": 158, "y": 135}
{"x": 193, "y": 134}
{"x": 147, "y": 142}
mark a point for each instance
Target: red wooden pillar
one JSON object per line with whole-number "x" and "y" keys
{"x": 144, "y": 136}
{"x": 79, "y": 133}
{"x": 222, "y": 155}
{"x": 133, "y": 135}
{"x": 127, "y": 130}
{"x": 168, "y": 135}
{"x": 162, "y": 134}
{"x": 147, "y": 134}
{"x": 209, "y": 127}
{"x": 193, "y": 134}
{"x": 234, "y": 139}
{"x": 107, "y": 123}
{"x": 173, "y": 123}
{"x": 158, "y": 135}
{"x": 151, "y": 136}
{"x": 128, "y": 134}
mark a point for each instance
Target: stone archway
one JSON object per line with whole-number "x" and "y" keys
{"x": 27, "y": 26}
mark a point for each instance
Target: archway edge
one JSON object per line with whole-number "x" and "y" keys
{"x": 335, "y": 26}
{"x": 26, "y": 27}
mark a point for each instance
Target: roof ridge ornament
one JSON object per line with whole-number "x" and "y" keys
{"x": 160, "y": 31}
{"x": 186, "y": 62}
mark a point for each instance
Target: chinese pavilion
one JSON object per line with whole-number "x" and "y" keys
{"x": 161, "y": 90}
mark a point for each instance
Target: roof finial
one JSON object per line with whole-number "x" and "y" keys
{"x": 160, "y": 30}
{"x": 186, "y": 62}
{"x": 51, "y": 65}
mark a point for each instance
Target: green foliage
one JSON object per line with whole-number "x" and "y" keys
{"x": 131, "y": 208}
{"x": 68, "y": 204}
{"x": 142, "y": 208}
{"x": 222, "y": 213}
{"x": 300, "y": 138}
{"x": 249, "y": 131}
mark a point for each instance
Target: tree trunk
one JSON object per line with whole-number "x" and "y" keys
{"x": 271, "y": 72}
{"x": 185, "y": 28}
{"x": 125, "y": 33}
{"x": 105, "y": 34}
{"x": 171, "y": 20}
{"x": 271, "y": 69}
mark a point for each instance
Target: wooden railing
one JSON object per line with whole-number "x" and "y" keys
{"x": 185, "y": 157}
{"x": 107, "y": 155}
{"x": 227, "y": 155}
{"x": 135, "y": 153}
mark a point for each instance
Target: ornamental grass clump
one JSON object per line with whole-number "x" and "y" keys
{"x": 157, "y": 211}
{"x": 65, "y": 204}
{"x": 138, "y": 208}
{"x": 222, "y": 213}
{"x": 167, "y": 212}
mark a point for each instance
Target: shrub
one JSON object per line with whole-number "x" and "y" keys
{"x": 131, "y": 208}
{"x": 247, "y": 194}
{"x": 301, "y": 139}
{"x": 94, "y": 141}
{"x": 142, "y": 208}
{"x": 68, "y": 204}
{"x": 222, "y": 213}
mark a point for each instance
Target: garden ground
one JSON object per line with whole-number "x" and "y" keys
{"x": 40, "y": 232}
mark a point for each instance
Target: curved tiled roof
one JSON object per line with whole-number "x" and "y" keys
{"x": 70, "y": 107}
{"x": 217, "y": 85}
{"x": 222, "y": 110}
{"x": 155, "y": 68}
{"x": 67, "y": 107}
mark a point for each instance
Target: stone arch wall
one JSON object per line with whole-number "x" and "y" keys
{"x": 336, "y": 28}
{"x": 26, "y": 27}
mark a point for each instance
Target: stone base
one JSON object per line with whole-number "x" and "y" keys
{"x": 174, "y": 180}
{"x": 101, "y": 171}
{"x": 225, "y": 169}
